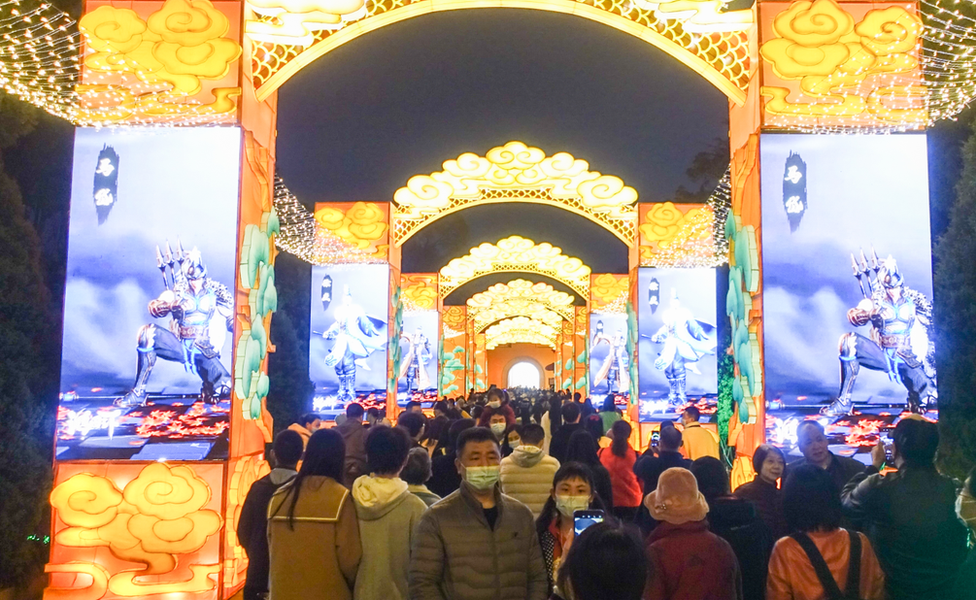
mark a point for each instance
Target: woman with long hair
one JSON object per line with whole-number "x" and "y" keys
{"x": 572, "y": 490}
{"x": 314, "y": 506}
{"x": 582, "y": 449}
{"x": 619, "y": 461}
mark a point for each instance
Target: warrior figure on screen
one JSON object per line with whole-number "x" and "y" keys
{"x": 899, "y": 343}
{"x": 356, "y": 338}
{"x": 414, "y": 366}
{"x": 616, "y": 366}
{"x": 201, "y": 312}
{"x": 686, "y": 340}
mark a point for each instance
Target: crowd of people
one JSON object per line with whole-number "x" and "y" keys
{"x": 486, "y": 500}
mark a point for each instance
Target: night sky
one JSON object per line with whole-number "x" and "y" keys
{"x": 358, "y": 122}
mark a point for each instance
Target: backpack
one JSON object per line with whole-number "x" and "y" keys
{"x": 853, "y": 587}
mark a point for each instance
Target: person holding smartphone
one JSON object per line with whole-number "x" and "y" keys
{"x": 572, "y": 491}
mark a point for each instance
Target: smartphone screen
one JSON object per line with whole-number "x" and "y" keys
{"x": 584, "y": 518}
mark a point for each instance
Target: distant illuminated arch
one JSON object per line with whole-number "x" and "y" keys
{"x": 713, "y": 43}
{"x": 515, "y": 172}
{"x": 520, "y": 330}
{"x": 515, "y": 254}
{"x": 539, "y": 301}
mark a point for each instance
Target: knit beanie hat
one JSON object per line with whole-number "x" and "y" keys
{"x": 677, "y": 499}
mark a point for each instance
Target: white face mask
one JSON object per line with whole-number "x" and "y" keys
{"x": 495, "y": 403}
{"x": 567, "y": 505}
{"x": 498, "y": 428}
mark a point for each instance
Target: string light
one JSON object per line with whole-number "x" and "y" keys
{"x": 701, "y": 242}
{"x": 300, "y": 234}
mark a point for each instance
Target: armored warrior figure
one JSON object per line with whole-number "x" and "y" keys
{"x": 899, "y": 342}
{"x": 414, "y": 366}
{"x": 685, "y": 341}
{"x": 201, "y": 311}
{"x": 616, "y": 366}
{"x": 356, "y": 337}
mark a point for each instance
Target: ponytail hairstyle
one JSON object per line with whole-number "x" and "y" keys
{"x": 325, "y": 456}
{"x": 621, "y": 438}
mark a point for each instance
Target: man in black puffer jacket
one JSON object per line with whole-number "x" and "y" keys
{"x": 910, "y": 516}
{"x": 252, "y": 527}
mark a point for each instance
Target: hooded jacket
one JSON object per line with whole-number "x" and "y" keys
{"x": 387, "y": 514}
{"x": 457, "y": 556}
{"x": 527, "y": 474}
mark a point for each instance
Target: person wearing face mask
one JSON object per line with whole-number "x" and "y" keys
{"x": 477, "y": 543}
{"x": 526, "y": 474}
{"x": 497, "y": 404}
{"x": 572, "y": 490}
{"x": 966, "y": 509}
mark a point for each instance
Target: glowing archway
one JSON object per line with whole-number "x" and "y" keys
{"x": 539, "y": 301}
{"x": 286, "y": 36}
{"x": 520, "y": 330}
{"x": 515, "y": 172}
{"x": 515, "y": 254}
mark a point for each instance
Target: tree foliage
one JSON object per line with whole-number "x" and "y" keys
{"x": 955, "y": 303}
{"x": 290, "y": 394}
{"x": 29, "y": 355}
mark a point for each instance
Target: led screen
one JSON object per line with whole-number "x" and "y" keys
{"x": 678, "y": 337}
{"x": 847, "y": 285}
{"x": 417, "y": 378}
{"x": 349, "y": 337}
{"x": 609, "y": 359}
{"x": 149, "y": 296}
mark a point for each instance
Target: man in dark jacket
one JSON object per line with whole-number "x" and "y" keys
{"x": 649, "y": 467}
{"x": 353, "y": 432}
{"x": 477, "y": 544}
{"x": 252, "y": 527}
{"x": 571, "y": 424}
{"x": 444, "y": 474}
{"x": 812, "y": 442}
{"x": 910, "y": 517}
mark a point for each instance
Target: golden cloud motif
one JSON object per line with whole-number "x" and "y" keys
{"x": 515, "y": 254}
{"x": 361, "y": 225}
{"x": 424, "y": 195}
{"x": 113, "y": 30}
{"x": 527, "y": 175}
{"x": 887, "y": 31}
{"x": 515, "y": 156}
{"x": 293, "y": 21}
{"x": 820, "y": 45}
{"x": 86, "y": 500}
{"x": 167, "y": 493}
{"x": 419, "y": 292}
{"x": 180, "y": 44}
{"x": 607, "y": 287}
{"x": 663, "y": 221}
{"x": 157, "y": 516}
